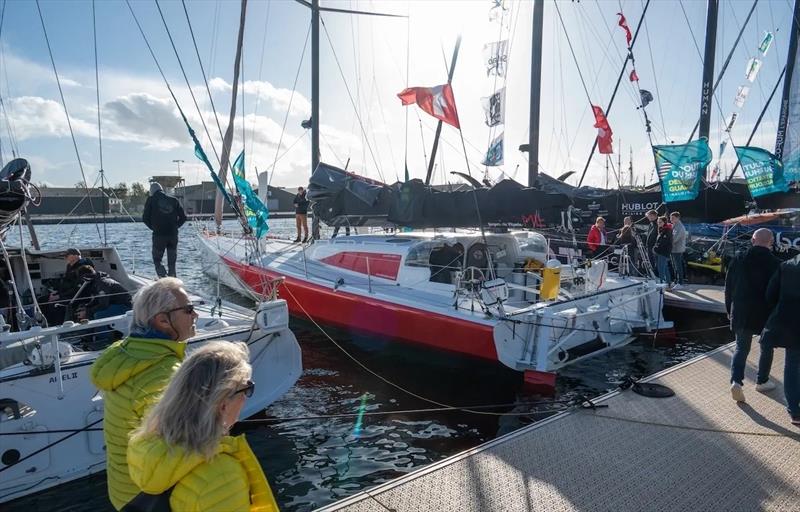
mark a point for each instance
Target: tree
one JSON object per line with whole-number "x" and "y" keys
{"x": 121, "y": 190}
{"x": 137, "y": 190}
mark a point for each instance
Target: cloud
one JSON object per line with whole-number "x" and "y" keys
{"x": 278, "y": 98}
{"x": 144, "y": 118}
{"x": 32, "y": 116}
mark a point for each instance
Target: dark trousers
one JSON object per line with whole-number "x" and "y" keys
{"x": 744, "y": 339}
{"x": 170, "y": 244}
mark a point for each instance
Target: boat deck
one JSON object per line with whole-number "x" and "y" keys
{"x": 697, "y": 450}
{"x": 697, "y": 297}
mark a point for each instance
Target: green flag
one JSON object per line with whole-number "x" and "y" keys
{"x": 681, "y": 168}
{"x": 763, "y": 171}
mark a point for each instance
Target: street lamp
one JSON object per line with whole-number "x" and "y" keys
{"x": 179, "y": 162}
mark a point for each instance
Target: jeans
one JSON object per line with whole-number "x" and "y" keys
{"x": 743, "y": 340}
{"x": 677, "y": 264}
{"x": 662, "y": 264}
{"x": 791, "y": 381}
{"x": 160, "y": 243}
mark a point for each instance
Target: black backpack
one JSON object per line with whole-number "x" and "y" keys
{"x": 144, "y": 502}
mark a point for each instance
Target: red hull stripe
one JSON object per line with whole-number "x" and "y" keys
{"x": 367, "y": 263}
{"x": 375, "y": 317}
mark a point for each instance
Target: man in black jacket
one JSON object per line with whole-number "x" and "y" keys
{"x": 783, "y": 299}
{"x": 651, "y": 236}
{"x": 301, "y": 213}
{"x": 745, "y": 287}
{"x": 164, "y": 215}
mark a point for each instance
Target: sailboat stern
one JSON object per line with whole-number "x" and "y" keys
{"x": 546, "y": 338}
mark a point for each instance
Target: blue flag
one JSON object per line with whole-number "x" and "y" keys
{"x": 256, "y": 211}
{"x": 494, "y": 156}
{"x": 681, "y": 168}
{"x": 763, "y": 171}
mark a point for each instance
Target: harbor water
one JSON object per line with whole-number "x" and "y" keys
{"x": 314, "y": 445}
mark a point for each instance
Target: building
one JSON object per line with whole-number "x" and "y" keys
{"x": 71, "y": 201}
{"x": 199, "y": 199}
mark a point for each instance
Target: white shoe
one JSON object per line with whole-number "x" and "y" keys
{"x": 737, "y": 393}
{"x": 765, "y": 387}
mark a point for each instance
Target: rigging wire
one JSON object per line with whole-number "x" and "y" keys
{"x": 572, "y": 51}
{"x": 186, "y": 78}
{"x": 66, "y": 112}
{"x": 99, "y": 124}
{"x": 258, "y": 89}
{"x": 289, "y": 108}
{"x": 655, "y": 81}
{"x": 350, "y": 96}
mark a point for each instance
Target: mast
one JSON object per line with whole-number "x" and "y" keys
{"x": 536, "y": 89}
{"x": 708, "y": 68}
{"x": 227, "y": 140}
{"x": 314, "y": 84}
{"x": 783, "y": 119}
{"x": 439, "y": 124}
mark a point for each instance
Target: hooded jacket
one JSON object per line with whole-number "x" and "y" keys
{"x": 163, "y": 214}
{"x": 663, "y": 245}
{"x": 132, "y": 374}
{"x": 783, "y": 300}
{"x": 230, "y": 481}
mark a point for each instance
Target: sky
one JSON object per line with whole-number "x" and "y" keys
{"x": 364, "y": 62}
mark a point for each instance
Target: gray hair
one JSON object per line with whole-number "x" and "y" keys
{"x": 188, "y": 414}
{"x": 153, "y": 299}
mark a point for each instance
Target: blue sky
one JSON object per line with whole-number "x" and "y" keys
{"x": 142, "y": 134}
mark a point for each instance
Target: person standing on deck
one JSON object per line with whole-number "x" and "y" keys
{"x": 679, "y": 236}
{"x": 301, "y": 214}
{"x": 651, "y": 236}
{"x": 132, "y": 373}
{"x": 783, "y": 325}
{"x": 745, "y": 288}
{"x": 597, "y": 235}
{"x": 662, "y": 250}
{"x": 164, "y": 215}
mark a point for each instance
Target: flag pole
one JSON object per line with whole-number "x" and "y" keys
{"x": 536, "y": 91}
{"x": 439, "y": 124}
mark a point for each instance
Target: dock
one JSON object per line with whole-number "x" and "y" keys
{"x": 697, "y": 297}
{"x": 697, "y": 450}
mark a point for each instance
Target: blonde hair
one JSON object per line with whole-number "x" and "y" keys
{"x": 188, "y": 414}
{"x": 153, "y": 299}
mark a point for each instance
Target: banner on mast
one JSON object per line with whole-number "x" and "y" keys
{"x": 766, "y": 42}
{"x": 787, "y": 142}
{"x": 495, "y": 58}
{"x": 255, "y": 210}
{"x": 741, "y": 95}
{"x": 763, "y": 171}
{"x": 753, "y": 67}
{"x": 494, "y": 108}
{"x": 680, "y": 169}
{"x": 494, "y": 155}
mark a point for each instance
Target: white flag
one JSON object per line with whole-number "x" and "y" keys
{"x": 495, "y": 58}
{"x": 741, "y": 95}
{"x": 494, "y": 108}
{"x": 753, "y": 65}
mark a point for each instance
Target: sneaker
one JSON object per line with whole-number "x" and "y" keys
{"x": 297, "y": 239}
{"x": 796, "y": 420}
{"x": 765, "y": 387}
{"x": 305, "y": 239}
{"x": 737, "y": 393}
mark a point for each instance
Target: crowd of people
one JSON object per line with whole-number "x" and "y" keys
{"x": 167, "y": 416}
{"x": 664, "y": 246}
{"x": 762, "y": 297}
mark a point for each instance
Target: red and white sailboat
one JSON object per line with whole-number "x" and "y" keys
{"x": 501, "y": 300}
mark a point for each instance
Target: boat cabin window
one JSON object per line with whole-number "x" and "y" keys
{"x": 533, "y": 242}
{"x": 419, "y": 255}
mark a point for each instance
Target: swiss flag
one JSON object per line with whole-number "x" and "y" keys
{"x": 604, "y": 132}
{"x": 437, "y": 101}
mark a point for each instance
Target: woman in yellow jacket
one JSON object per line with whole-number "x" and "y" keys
{"x": 183, "y": 448}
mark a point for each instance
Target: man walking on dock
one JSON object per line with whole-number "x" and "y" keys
{"x": 783, "y": 299}
{"x": 164, "y": 215}
{"x": 679, "y": 236}
{"x": 745, "y": 289}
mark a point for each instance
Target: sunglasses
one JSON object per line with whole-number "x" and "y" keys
{"x": 188, "y": 309}
{"x": 247, "y": 390}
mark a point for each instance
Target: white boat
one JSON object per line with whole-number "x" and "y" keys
{"x": 51, "y": 414}
{"x": 505, "y": 300}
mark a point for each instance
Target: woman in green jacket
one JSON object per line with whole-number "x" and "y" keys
{"x": 183, "y": 447}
